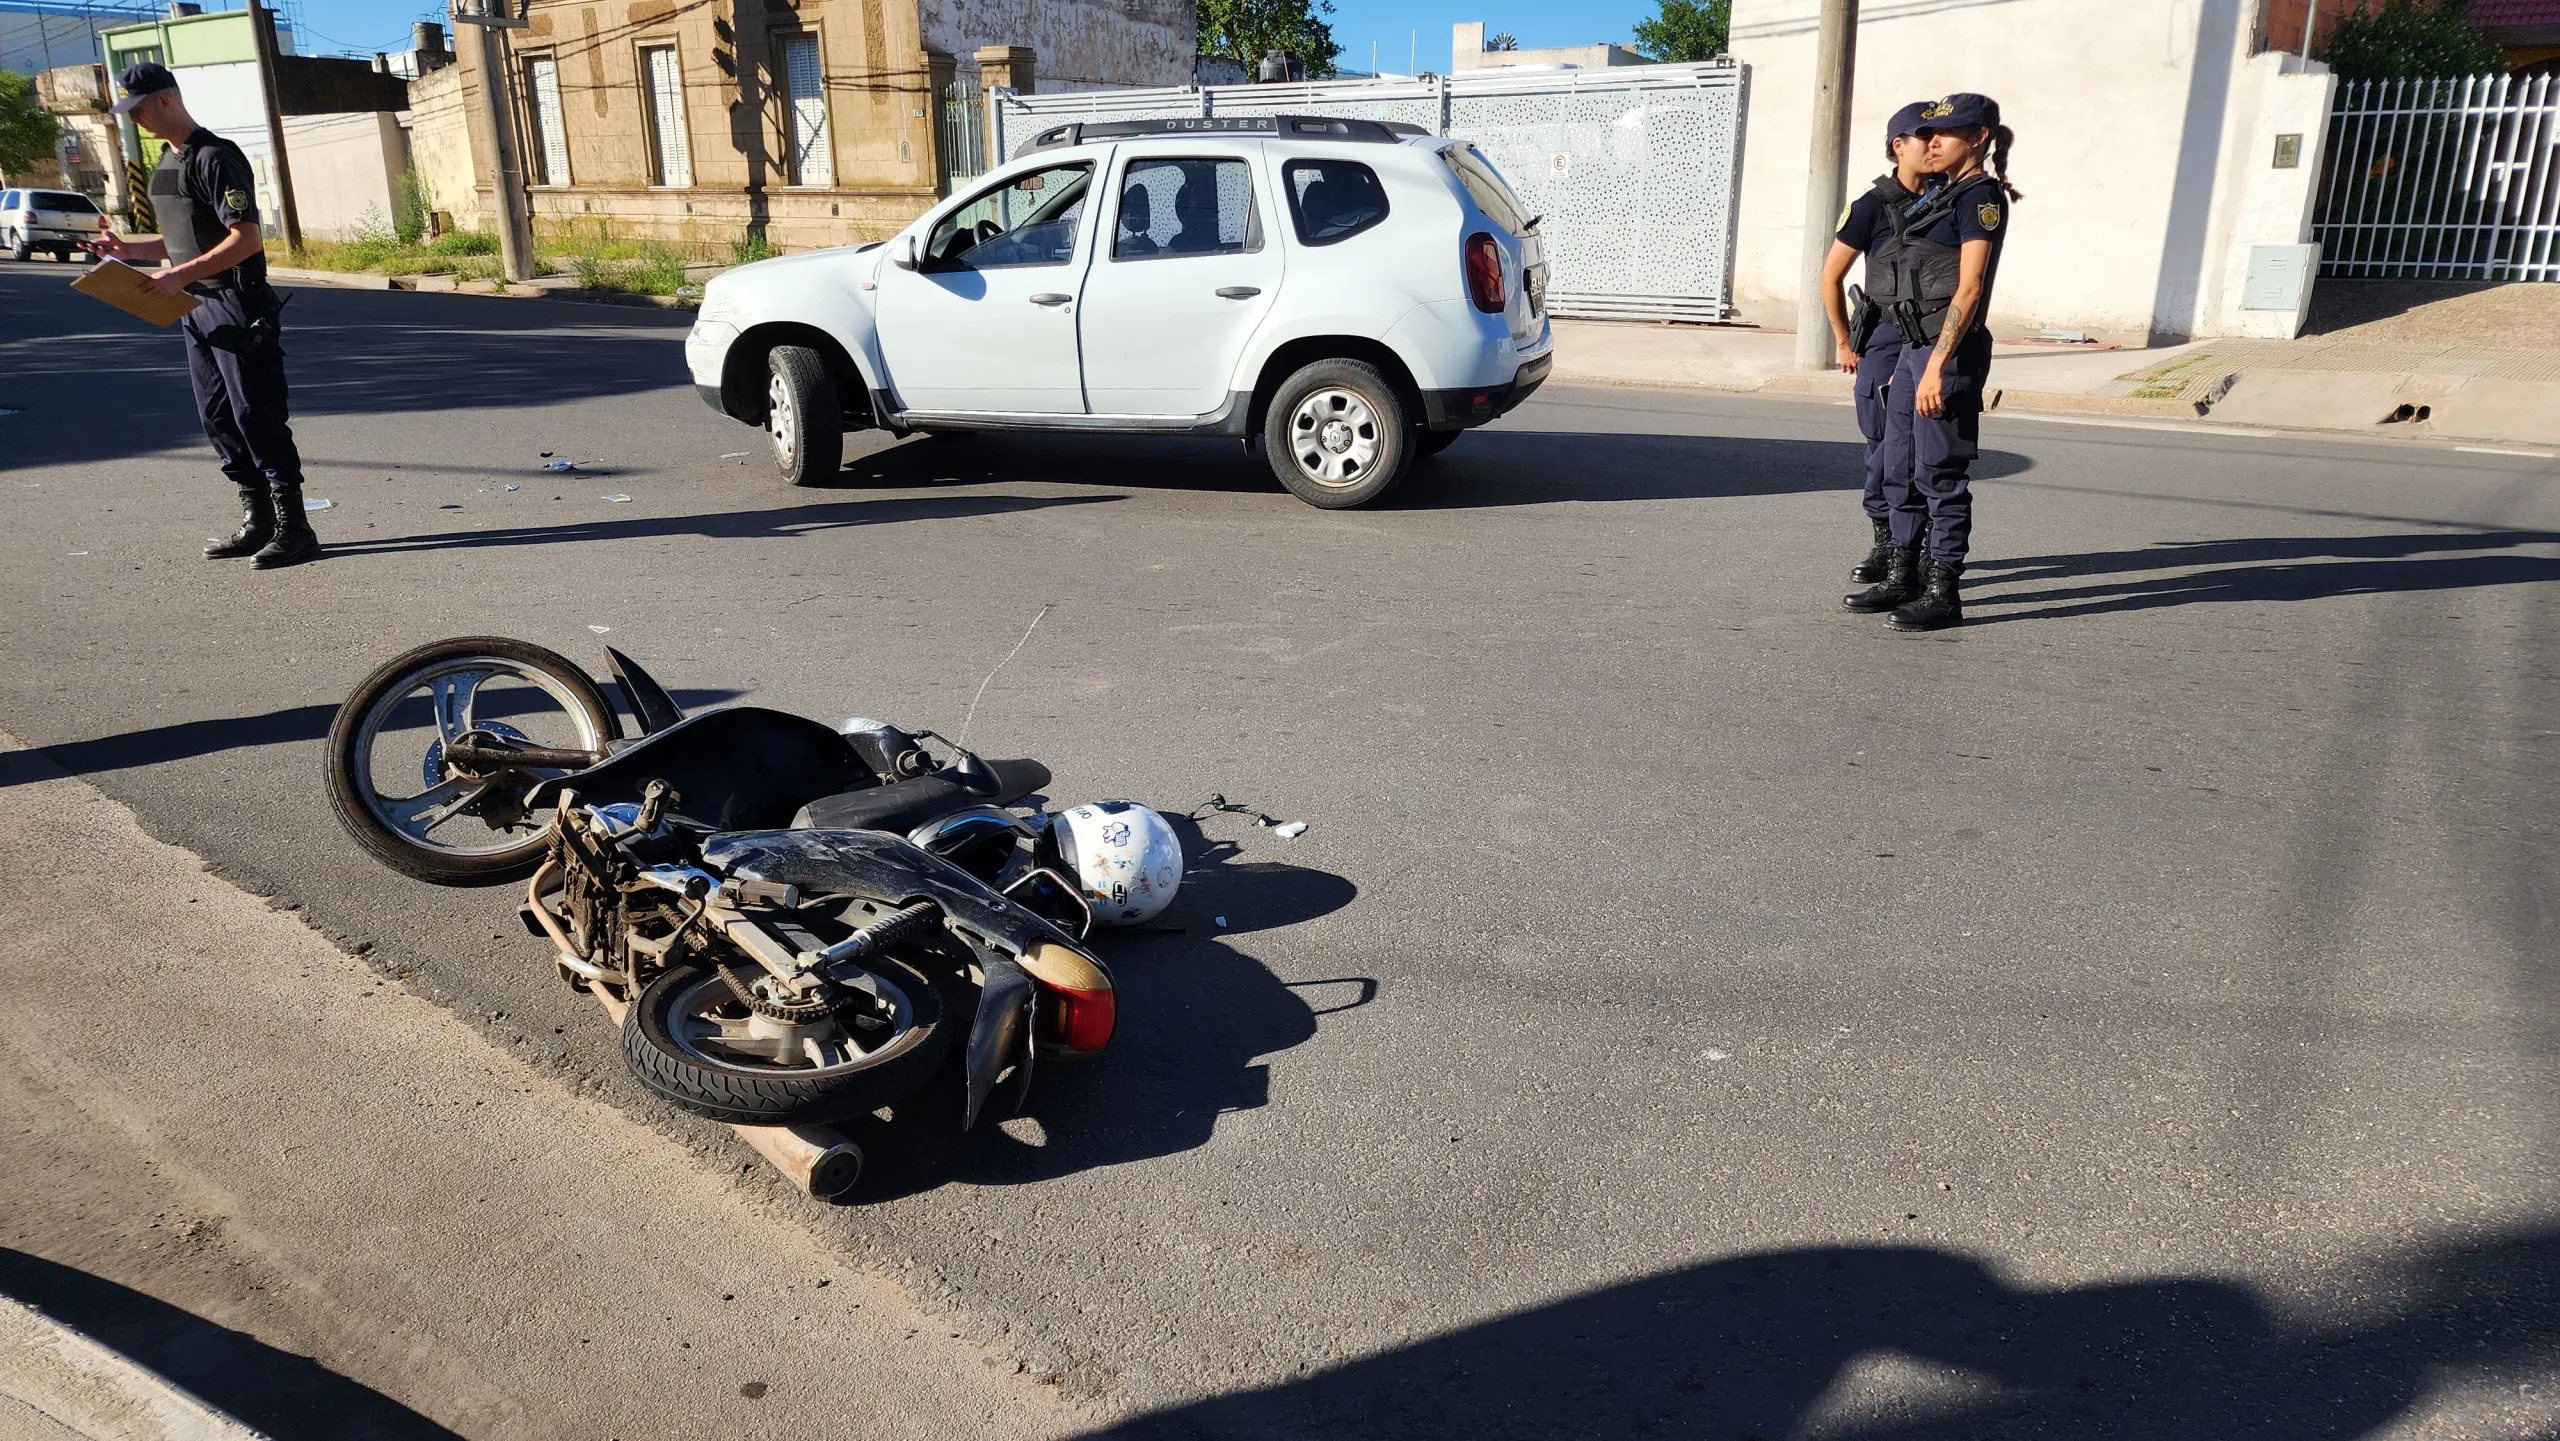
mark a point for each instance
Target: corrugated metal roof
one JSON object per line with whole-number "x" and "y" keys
{"x": 2491, "y": 14}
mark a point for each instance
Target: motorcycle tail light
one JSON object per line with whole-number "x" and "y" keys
{"x": 1077, "y": 1007}
{"x": 1484, "y": 273}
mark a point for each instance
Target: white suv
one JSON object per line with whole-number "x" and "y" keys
{"x": 1351, "y": 294}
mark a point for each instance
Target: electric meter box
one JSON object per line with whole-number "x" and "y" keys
{"x": 2279, "y": 277}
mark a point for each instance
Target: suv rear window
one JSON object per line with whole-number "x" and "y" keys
{"x": 1491, "y": 193}
{"x": 60, "y": 200}
{"x": 1333, "y": 199}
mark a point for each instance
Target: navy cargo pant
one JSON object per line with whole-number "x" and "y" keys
{"x": 1888, "y": 447}
{"x": 237, "y": 369}
{"x": 1935, "y": 492}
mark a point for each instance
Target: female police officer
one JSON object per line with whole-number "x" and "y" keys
{"x": 1949, "y": 255}
{"x": 1869, "y": 347}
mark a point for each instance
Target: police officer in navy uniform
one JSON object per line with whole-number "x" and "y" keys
{"x": 205, "y": 196}
{"x": 1948, "y": 256}
{"x": 1868, "y": 346}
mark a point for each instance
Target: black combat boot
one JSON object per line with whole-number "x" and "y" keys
{"x": 1939, "y": 606}
{"x": 294, "y": 543}
{"x": 1871, "y": 570}
{"x": 257, "y": 526}
{"x": 1900, "y": 583}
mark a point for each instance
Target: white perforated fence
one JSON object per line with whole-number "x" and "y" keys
{"x": 1634, "y": 170}
{"x": 2448, "y": 179}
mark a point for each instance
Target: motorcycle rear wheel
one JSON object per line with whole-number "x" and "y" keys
{"x": 672, "y": 1042}
{"x": 420, "y": 835}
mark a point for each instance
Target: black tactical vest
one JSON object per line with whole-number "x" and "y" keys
{"x": 1884, "y": 248}
{"x": 1925, "y": 270}
{"x": 188, "y": 226}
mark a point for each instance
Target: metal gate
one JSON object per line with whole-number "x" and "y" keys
{"x": 2447, "y": 179}
{"x": 964, "y": 131}
{"x": 1634, "y": 170}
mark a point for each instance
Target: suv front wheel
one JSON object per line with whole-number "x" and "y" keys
{"x": 1337, "y": 434}
{"x": 802, "y": 416}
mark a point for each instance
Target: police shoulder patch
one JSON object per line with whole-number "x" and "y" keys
{"x": 1844, "y": 216}
{"x": 239, "y": 199}
{"x": 1989, "y": 214}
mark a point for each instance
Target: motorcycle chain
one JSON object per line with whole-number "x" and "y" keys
{"x": 800, "y": 1014}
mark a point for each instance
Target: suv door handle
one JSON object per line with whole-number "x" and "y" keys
{"x": 1238, "y": 292}
{"x": 1050, "y": 297}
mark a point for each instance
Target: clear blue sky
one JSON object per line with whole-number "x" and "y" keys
{"x": 360, "y": 27}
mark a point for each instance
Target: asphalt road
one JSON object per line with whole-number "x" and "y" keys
{"x": 1692, "y": 1010}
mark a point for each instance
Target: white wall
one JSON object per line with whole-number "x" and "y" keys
{"x": 1080, "y": 44}
{"x": 229, "y": 101}
{"x": 345, "y": 169}
{"x": 2132, "y": 118}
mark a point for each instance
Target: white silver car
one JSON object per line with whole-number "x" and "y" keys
{"x": 1348, "y": 294}
{"x": 58, "y": 221}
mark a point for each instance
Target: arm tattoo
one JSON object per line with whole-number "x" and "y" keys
{"x": 1959, "y": 320}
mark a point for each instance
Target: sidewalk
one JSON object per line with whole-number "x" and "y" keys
{"x": 2484, "y": 361}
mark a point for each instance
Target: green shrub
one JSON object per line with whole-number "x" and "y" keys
{"x": 2407, "y": 38}
{"x": 750, "y": 249}
{"x": 463, "y": 242}
{"x": 409, "y": 207}
{"x": 660, "y": 269}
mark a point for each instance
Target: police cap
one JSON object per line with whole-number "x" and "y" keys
{"x": 1905, "y": 121}
{"x": 140, "y": 82}
{"x": 1960, "y": 111}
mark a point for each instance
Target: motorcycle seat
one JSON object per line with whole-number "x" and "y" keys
{"x": 901, "y": 806}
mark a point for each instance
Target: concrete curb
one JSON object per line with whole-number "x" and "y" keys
{"x": 447, "y": 285}
{"x": 55, "y": 1382}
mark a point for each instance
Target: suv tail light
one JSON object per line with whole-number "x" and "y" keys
{"x": 1484, "y": 273}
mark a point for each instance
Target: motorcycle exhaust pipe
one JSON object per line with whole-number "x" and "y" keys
{"x": 817, "y": 1159}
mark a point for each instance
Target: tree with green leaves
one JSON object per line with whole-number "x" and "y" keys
{"x": 27, "y": 129}
{"x": 2403, "y": 39}
{"x": 1685, "y": 30}
{"x": 1246, "y": 30}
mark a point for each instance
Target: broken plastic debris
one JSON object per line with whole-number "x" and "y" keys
{"x": 560, "y": 465}
{"x": 318, "y": 504}
{"x": 731, "y": 455}
{"x": 1715, "y": 1055}
{"x": 515, "y": 487}
{"x": 77, "y": 552}
{"x": 601, "y": 629}
{"x": 1222, "y": 923}
{"x": 618, "y": 498}
{"x": 1289, "y": 830}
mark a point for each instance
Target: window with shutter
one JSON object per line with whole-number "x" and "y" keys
{"x": 812, "y": 160}
{"x": 542, "y": 96}
{"x": 666, "y": 115}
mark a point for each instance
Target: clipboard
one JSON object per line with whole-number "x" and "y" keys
{"x": 121, "y": 286}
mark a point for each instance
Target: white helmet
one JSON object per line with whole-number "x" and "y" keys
{"x": 1122, "y": 857}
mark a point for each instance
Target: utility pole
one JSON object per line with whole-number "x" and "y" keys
{"x": 262, "y": 35}
{"x": 486, "y": 18}
{"x": 1826, "y": 176}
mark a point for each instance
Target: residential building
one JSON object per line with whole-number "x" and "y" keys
{"x": 2527, "y": 30}
{"x": 38, "y": 35}
{"x": 341, "y": 139}
{"x": 1467, "y": 52}
{"x": 2210, "y": 124}
{"x": 806, "y": 125}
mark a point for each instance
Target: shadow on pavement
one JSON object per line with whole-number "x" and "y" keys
{"x": 2269, "y": 569}
{"x": 1195, "y": 1017}
{"x": 1785, "y": 1344}
{"x": 723, "y": 525}
{"x": 285, "y": 1396}
{"x": 185, "y": 740}
{"x": 1493, "y": 467}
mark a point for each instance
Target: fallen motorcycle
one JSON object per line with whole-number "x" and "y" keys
{"x": 796, "y": 923}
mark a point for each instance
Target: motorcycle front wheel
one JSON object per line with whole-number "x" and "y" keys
{"x": 691, "y": 1040}
{"x": 415, "y": 811}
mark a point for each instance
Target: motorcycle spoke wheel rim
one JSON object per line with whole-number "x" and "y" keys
{"x": 706, "y": 1023}
{"x": 1335, "y": 437}
{"x": 435, "y": 818}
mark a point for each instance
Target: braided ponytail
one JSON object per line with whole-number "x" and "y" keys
{"x": 1998, "y": 165}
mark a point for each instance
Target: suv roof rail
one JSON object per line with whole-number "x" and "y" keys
{"x": 1320, "y": 127}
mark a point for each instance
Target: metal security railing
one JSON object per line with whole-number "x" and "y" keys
{"x": 1635, "y": 169}
{"x": 2443, "y": 179}
{"x": 964, "y": 131}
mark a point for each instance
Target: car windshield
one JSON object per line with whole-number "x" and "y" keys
{"x": 1491, "y": 193}
{"x": 59, "y": 200}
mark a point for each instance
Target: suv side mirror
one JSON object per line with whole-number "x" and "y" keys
{"x": 903, "y": 253}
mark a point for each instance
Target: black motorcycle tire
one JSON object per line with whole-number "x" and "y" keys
{"x": 389, "y": 846}
{"x": 762, "y": 1097}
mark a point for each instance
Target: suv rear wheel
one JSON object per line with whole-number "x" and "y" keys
{"x": 1338, "y": 434}
{"x": 802, "y": 417}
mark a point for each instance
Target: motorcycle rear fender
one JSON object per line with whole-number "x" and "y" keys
{"x": 891, "y": 871}
{"x": 650, "y": 704}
